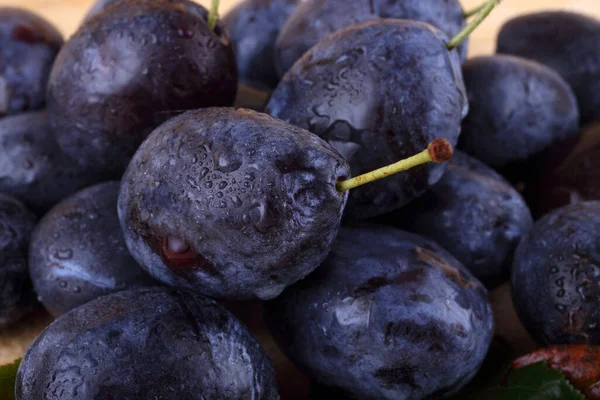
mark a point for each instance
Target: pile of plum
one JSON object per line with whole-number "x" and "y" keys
{"x": 161, "y": 169}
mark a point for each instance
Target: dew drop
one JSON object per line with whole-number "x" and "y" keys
{"x": 219, "y": 195}
{"x": 222, "y": 185}
{"x": 64, "y": 254}
{"x": 236, "y": 201}
{"x": 208, "y": 184}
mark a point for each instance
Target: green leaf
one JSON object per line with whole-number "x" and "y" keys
{"x": 534, "y": 382}
{"x": 8, "y": 375}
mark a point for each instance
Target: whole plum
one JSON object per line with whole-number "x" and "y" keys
{"x": 388, "y": 315}
{"x": 231, "y": 203}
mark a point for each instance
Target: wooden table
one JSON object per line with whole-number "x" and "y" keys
{"x": 67, "y": 14}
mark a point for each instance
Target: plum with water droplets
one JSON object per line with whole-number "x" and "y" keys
{"x": 254, "y": 26}
{"x": 556, "y": 276}
{"x": 517, "y": 110}
{"x": 313, "y": 20}
{"x": 374, "y": 94}
{"x": 32, "y": 167}
{"x": 129, "y": 69}
{"x": 564, "y": 41}
{"x": 78, "y": 252}
{"x": 28, "y": 47}
{"x": 473, "y": 213}
{"x": 16, "y": 293}
{"x": 147, "y": 344}
{"x": 231, "y": 203}
{"x": 388, "y": 315}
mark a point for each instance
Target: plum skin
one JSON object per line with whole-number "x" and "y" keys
{"x": 475, "y": 214}
{"x": 16, "y": 293}
{"x": 32, "y": 166}
{"x": 28, "y": 46}
{"x": 314, "y": 20}
{"x": 568, "y": 43}
{"x": 78, "y": 252}
{"x": 253, "y": 27}
{"x": 517, "y": 109}
{"x": 234, "y": 204}
{"x": 555, "y": 276}
{"x": 387, "y": 315}
{"x": 129, "y": 69}
{"x": 152, "y": 343}
{"x": 369, "y": 91}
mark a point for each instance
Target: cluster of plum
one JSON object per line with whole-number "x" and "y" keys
{"x": 162, "y": 165}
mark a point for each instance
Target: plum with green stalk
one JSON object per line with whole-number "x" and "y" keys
{"x": 379, "y": 91}
{"x": 314, "y": 20}
{"x": 236, "y": 204}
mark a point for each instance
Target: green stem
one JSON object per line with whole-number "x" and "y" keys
{"x": 486, "y": 9}
{"x": 472, "y": 12}
{"x": 439, "y": 150}
{"x": 213, "y": 14}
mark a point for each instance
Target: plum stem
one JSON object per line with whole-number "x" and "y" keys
{"x": 486, "y": 9}
{"x": 474, "y": 11}
{"x": 213, "y": 14}
{"x": 439, "y": 150}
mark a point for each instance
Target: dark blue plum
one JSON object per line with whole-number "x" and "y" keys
{"x": 564, "y": 41}
{"x": 370, "y": 91}
{"x": 473, "y": 213}
{"x": 388, "y": 315}
{"x": 254, "y": 26}
{"x": 314, "y": 20}
{"x": 16, "y": 294}
{"x": 517, "y": 110}
{"x": 556, "y": 276}
{"x": 130, "y": 68}
{"x": 28, "y": 47}
{"x": 147, "y": 344}
{"x": 231, "y": 203}
{"x": 78, "y": 252}
{"x": 32, "y": 167}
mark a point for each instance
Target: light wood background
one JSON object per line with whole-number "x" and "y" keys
{"x": 67, "y": 14}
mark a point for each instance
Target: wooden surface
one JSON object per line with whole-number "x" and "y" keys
{"x": 67, "y": 14}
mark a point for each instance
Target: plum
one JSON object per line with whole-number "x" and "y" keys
{"x": 556, "y": 276}
{"x": 32, "y": 166}
{"x": 378, "y": 91}
{"x": 473, "y": 213}
{"x": 16, "y": 294}
{"x": 129, "y": 69}
{"x": 517, "y": 110}
{"x": 388, "y": 315}
{"x": 564, "y": 41}
{"x": 313, "y": 20}
{"x": 28, "y": 46}
{"x": 153, "y": 343}
{"x": 232, "y": 203}
{"x": 78, "y": 252}
{"x": 254, "y": 26}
